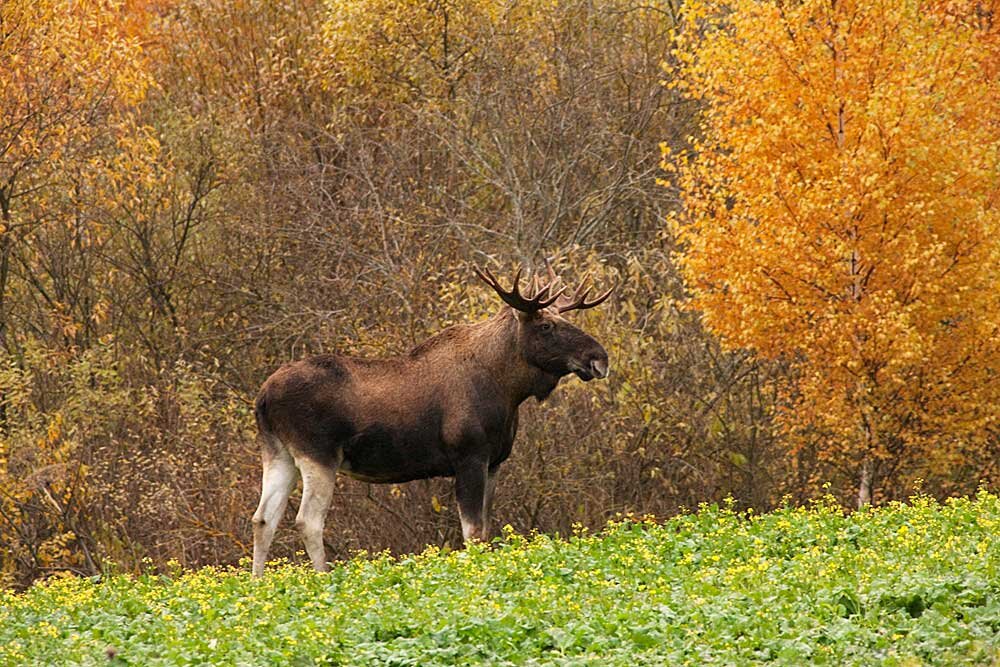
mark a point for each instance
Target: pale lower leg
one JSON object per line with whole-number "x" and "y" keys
{"x": 317, "y": 492}
{"x": 278, "y": 480}
{"x": 472, "y": 526}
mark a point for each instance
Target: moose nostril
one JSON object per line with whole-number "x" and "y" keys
{"x": 599, "y": 367}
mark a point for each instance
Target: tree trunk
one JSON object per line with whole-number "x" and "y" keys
{"x": 5, "y": 250}
{"x": 865, "y": 482}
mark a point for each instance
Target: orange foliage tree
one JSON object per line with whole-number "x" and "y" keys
{"x": 840, "y": 211}
{"x": 70, "y": 82}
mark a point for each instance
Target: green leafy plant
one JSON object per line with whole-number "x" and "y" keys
{"x": 907, "y": 584}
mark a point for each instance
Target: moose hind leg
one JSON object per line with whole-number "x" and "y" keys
{"x": 470, "y": 492}
{"x": 278, "y": 480}
{"x": 317, "y": 492}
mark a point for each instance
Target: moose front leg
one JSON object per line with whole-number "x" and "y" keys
{"x": 471, "y": 481}
{"x": 491, "y": 485}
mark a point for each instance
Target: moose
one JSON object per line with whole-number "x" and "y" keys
{"x": 447, "y": 409}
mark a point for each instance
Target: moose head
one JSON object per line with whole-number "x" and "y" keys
{"x": 545, "y": 339}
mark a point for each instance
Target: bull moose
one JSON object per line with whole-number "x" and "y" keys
{"x": 446, "y": 409}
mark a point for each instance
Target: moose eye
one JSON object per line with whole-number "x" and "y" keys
{"x": 545, "y": 326}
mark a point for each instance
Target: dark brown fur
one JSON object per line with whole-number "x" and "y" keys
{"x": 451, "y": 400}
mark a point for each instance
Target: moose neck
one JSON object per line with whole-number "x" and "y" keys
{"x": 496, "y": 349}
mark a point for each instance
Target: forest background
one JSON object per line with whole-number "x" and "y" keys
{"x": 192, "y": 193}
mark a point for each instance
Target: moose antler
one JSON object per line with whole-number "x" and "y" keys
{"x": 542, "y": 299}
{"x": 579, "y": 299}
{"x": 544, "y": 295}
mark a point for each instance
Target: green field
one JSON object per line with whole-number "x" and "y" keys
{"x": 901, "y": 585}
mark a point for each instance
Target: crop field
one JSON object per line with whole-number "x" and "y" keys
{"x": 905, "y": 584}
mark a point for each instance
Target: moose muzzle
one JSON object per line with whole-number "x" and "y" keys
{"x": 595, "y": 366}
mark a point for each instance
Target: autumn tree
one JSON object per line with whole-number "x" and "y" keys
{"x": 70, "y": 78}
{"x": 840, "y": 211}
{"x": 70, "y": 84}
{"x": 527, "y": 124}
